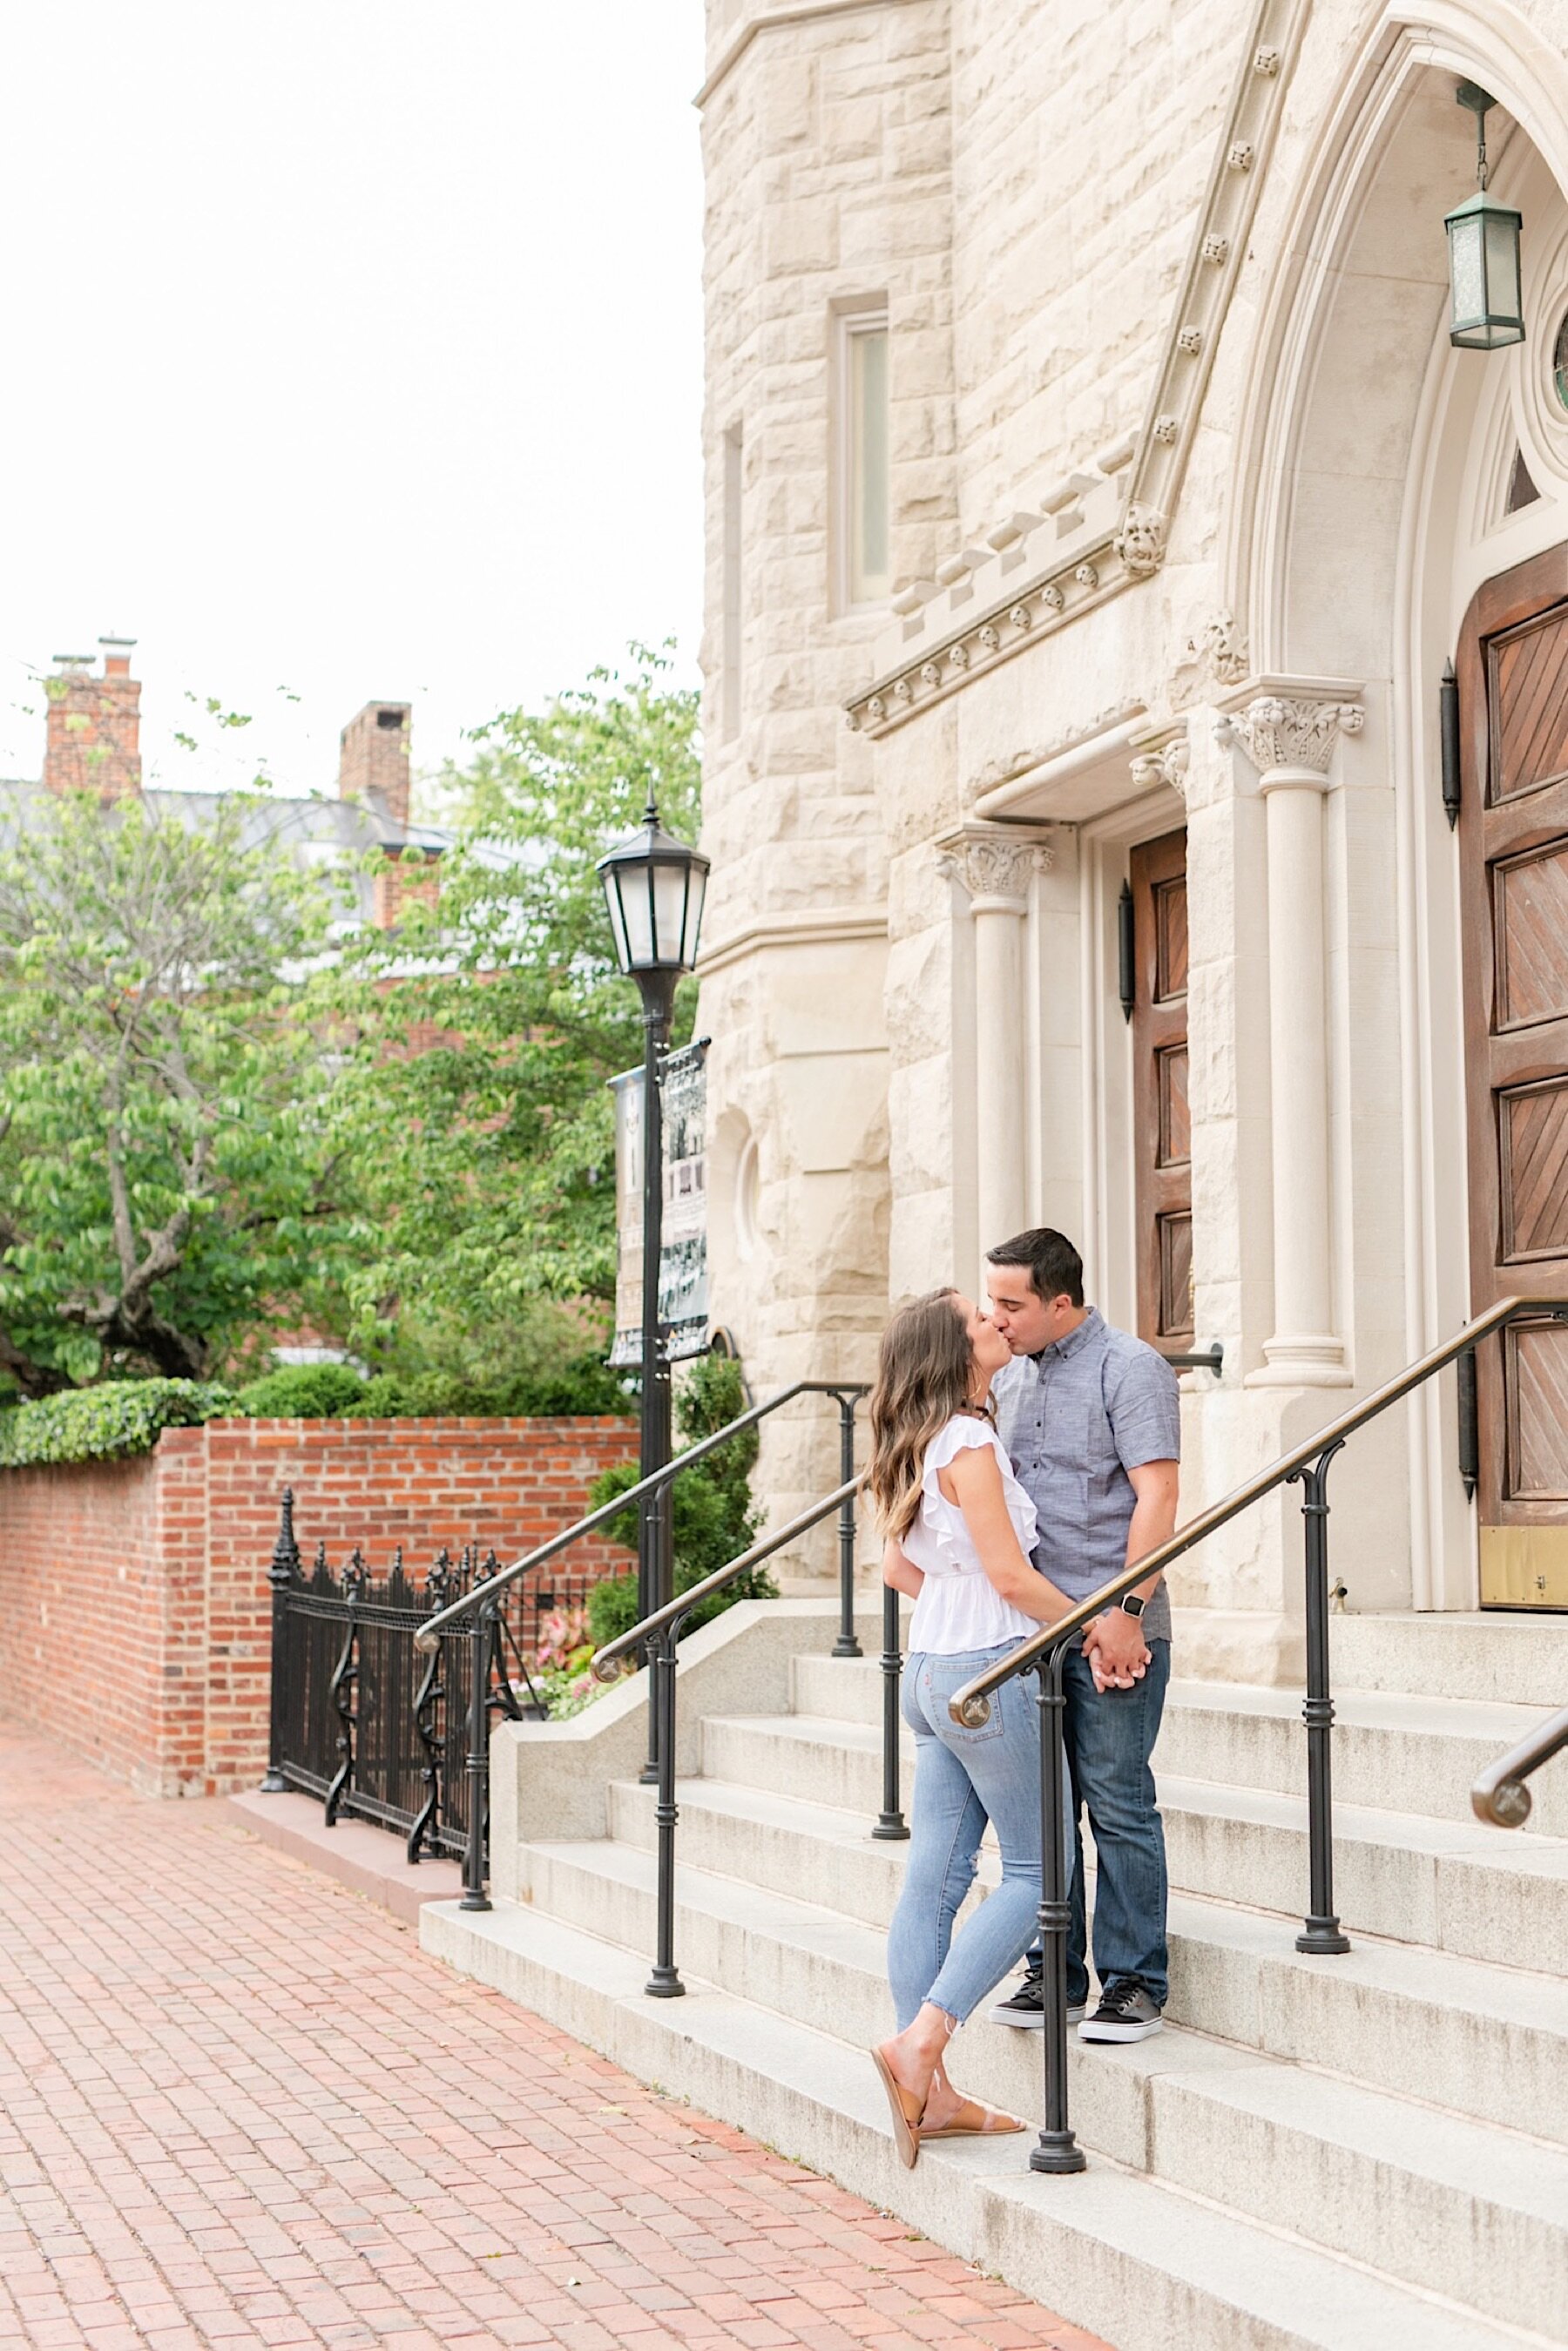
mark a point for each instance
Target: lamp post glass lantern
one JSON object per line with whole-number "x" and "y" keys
{"x": 654, "y": 890}
{"x": 1485, "y": 309}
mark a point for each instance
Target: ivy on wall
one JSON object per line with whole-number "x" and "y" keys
{"x": 105, "y": 1423}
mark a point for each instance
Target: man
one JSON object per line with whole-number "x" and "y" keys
{"x": 1090, "y": 1418}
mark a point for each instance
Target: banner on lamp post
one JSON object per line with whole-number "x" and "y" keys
{"x": 683, "y": 1256}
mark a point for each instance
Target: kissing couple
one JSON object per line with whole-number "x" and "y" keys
{"x": 1022, "y": 1454}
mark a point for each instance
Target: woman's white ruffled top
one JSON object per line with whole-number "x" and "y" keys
{"x": 958, "y": 1606}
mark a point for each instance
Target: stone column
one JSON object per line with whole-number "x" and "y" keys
{"x": 1289, "y": 739}
{"x": 994, "y": 871}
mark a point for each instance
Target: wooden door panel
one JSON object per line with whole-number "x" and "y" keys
{"x": 1530, "y": 923}
{"x": 1513, "y": 878}
{"x": 1162, "y": 1122}
{"x": 1532, "y": 1139}
{"x": 1174, "y": 1142}
{"x": 1528, "y": 673}
{"x": 1538, "y": 1418}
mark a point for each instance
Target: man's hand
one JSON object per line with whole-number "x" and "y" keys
{"x": 1117, "y": 1653}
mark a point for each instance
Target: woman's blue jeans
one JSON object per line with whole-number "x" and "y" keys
{"x": 962, "y": 1779}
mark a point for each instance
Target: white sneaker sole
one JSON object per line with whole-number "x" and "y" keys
{"x": 1035, "y": 2024}
{"x": 1140, "y": 2032}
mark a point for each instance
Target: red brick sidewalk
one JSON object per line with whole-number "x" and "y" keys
{"x": 239, "y": 2106}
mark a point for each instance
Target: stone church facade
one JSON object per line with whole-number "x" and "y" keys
{"x": 1095, "y": 502}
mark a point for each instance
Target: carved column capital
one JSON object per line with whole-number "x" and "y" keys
{"x": 1292, "y": 730}
{"x": 993, "y": 869}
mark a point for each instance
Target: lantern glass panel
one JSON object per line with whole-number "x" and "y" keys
{"x": 1502, "y": 276}
{"x": 669, "y": 912}
{"x": 694, "y": 896}
{"x": 617, "y": 920}
{"x": 636, "y": 904}
{"x": 1467, "y": 272}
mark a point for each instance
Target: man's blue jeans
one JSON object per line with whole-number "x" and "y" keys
{"x": 1110, "y": 1736}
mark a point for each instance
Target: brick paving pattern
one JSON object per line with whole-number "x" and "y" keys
{"x": 239, "y": 2106}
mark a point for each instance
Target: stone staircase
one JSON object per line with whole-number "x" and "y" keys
{"x": 1366, "y": 2153}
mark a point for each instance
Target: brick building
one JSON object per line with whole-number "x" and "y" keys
{"x": 93, "y": 743}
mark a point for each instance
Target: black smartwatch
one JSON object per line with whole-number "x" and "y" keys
{"x": 1133, "y": 1604}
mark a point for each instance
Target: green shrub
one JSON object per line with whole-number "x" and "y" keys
{"x": 102, "y": 1424}
{"x": 303, "y": 1392}
{"x": 714, "y": 1518}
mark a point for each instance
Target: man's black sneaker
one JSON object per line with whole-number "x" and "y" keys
{"x": 1027, "y": 2006}
{"x": 1125, "y": 2014}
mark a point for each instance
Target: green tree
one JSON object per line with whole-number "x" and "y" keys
{"x": 713, "y": 1520}
{"x": 171, "y": 1175}
{"x": 493, "y": 1172}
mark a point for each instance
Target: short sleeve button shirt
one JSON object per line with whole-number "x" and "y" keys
{"x": 1074, "y": 1419}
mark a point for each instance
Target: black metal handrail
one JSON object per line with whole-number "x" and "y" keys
{"x": 487, "y": 1599}
{"x": 1044, "y": 1653}
{"x": 1498, "y": 1795}
{"x": 659, "y": 1632}
{"x": 847, "y": 1392}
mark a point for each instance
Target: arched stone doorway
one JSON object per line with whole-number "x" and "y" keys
{"x": 1382, "y": 480}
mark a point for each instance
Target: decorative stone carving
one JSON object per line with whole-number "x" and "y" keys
{"x": 902, "y": 691}
{"x": 929, "y": 672}
{"x": 1141, "y": 541}
{"x": 1191, "y": 340}
{"x": 1166, "y": 428}
{"x": 1052, "y": 598}
{"x": 989, "y": 638}
{"x": 1266, "y": 61}
{"x": 1020, "y": 616}
{"x": 1167, "y": 763}
{"x": 1280, "y": 730}
{"x": 1221, "y": 649}
{"x": 959, "y": 656}
{"x": 1087, "y": 576}
{"x": 877, "y": 706}
{"x": 1216, "y": 247}
{"x": 1239, "y": 157}
{"x": 991, "y": 869}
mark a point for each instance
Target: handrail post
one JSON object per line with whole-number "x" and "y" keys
{"x": 891, "y": 1825}
{"x": 282, "y": 1574}
{"x": 665, "y": 1983}
{"x": 1321, "y": 1930}
{"x": 1058, "y": 2149}
{"x": 478, "y": 1763}
{"x": 657, "y": 1528}
{"x": 846, "y": 1645}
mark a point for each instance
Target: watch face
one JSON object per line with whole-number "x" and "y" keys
{"x": 1133, "y": 1604}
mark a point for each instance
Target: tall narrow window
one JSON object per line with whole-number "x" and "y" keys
{"x": 730, "y": 680}
{"x": 864, "y": 483}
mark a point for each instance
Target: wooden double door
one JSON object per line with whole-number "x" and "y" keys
{"x": 1512, "y": 669}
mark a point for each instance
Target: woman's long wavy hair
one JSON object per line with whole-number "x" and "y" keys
{"x": 925, "y": 1372}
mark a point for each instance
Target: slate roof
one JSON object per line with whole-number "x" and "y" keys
{"x": 332, "y": 829}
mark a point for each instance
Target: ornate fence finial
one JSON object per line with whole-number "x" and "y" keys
{"x": 285, "y": 1567}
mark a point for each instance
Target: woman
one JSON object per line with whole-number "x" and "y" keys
{"x": 959, "y": 1531}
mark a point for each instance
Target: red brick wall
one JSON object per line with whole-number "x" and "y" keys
{"x": 135, "y": 1606}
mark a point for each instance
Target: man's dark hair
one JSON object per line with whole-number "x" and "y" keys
{"x": 1054, "y": 1266}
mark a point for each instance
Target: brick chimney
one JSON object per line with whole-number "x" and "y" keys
{"x": 94, "y": 736}
{"x": 373, "y": 757}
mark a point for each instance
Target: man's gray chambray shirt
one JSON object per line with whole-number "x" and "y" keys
{"x": 1075, "y": 1418}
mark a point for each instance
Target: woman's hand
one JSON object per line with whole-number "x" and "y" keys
{"x": 1118, "y": 1662}
{"x": 974, "y": 1481}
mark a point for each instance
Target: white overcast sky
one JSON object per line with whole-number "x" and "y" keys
{"x": 354, "y": 350}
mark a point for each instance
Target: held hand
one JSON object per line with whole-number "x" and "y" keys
{"x": 1117, "y": 1653}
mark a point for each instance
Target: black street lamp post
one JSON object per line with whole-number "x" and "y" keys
{"x": 653, "y": 888}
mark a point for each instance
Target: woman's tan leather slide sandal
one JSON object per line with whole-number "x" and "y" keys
{"x": 905, "y": 2126}
{"x": 992, "y": 2123}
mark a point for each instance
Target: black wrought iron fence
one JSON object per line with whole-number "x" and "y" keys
{"x": 380, "y": 1730}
